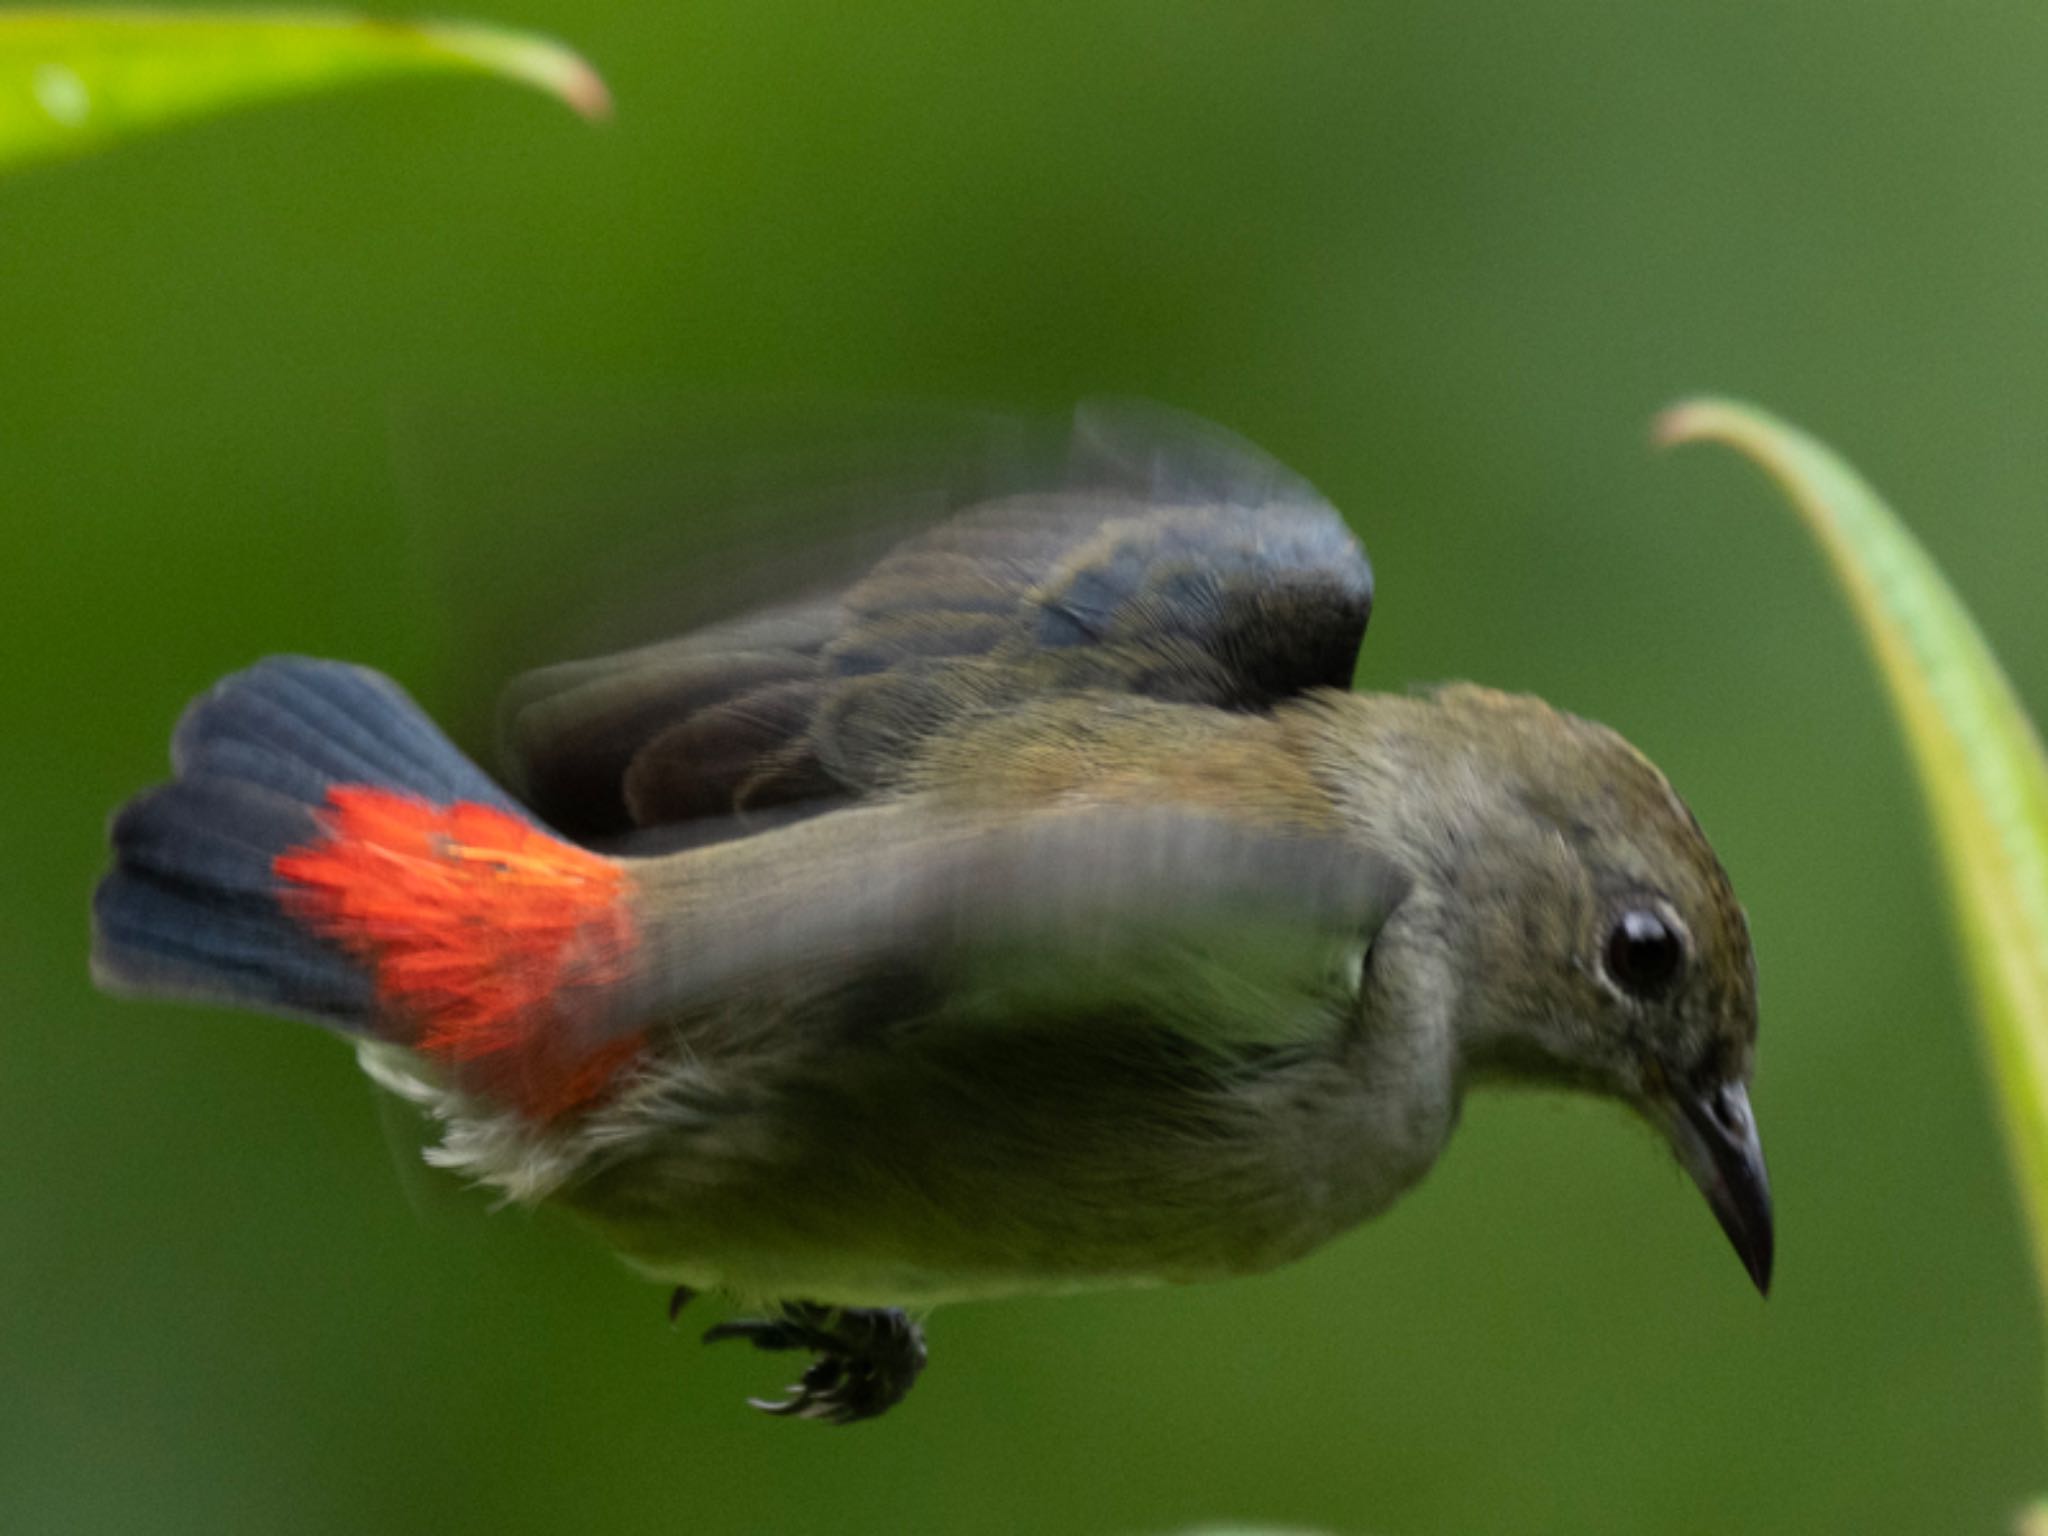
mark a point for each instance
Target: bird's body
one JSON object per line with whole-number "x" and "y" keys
{"x": 1040, "y": 913}
{"x": 1027, "y": 1122}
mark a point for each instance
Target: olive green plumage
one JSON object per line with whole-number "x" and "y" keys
{"x": 1066, "y": 924}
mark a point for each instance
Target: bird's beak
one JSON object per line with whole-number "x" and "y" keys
{"x": 1715, "y": 1137}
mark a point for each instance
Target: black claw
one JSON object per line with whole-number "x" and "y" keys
{"x": 678, "y": 1299}
{"x": 868, "y": 1358}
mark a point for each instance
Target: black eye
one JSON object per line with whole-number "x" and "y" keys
{"x": 1644, "y": 953}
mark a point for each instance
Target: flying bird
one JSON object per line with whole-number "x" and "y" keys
{"x": 1038, "y": 910}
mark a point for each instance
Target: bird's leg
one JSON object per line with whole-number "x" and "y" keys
{"x": 867, "y": 1358}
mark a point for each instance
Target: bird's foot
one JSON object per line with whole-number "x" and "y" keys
{"x": 868, "y": 1358}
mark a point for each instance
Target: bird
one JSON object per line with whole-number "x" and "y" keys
{"x": 1038, "y": 909}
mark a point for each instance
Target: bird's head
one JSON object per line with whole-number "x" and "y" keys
{"x": 1598, "y": 943}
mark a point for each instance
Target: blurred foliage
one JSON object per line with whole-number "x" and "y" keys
{"x": 78, "y": 80}
{"x": 1977, "y": 754}
{"x": 1441, "y": 260}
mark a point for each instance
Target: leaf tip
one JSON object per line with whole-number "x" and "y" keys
{"x": 1692, "y": 421}
{"x": 583, "y": 88}
{"x": 540, "y": 62}
{"x": 566, "y": 75}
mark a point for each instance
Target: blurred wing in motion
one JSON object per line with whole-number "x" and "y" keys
{"x": 1170, "y": 561}
{"x": 1230, "y": 936}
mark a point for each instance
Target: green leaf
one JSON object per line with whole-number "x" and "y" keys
{"x": 73, "y": 81}
{"x": 1975, "y": 752}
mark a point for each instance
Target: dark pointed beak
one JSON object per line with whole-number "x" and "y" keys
{"x": 1715, "y": 1137}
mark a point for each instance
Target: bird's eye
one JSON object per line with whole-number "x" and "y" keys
{"x": 1644, "y": 953}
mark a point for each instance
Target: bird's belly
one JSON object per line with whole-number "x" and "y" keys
{"x": 923, "y": 1182}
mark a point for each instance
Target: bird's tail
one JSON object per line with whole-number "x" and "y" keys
{"x": 323, "y": 851}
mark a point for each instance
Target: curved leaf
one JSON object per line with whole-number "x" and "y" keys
{"x": 73, "y": 81}
{"x": 1975, "y": 752}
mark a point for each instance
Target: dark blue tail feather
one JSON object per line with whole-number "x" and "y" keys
{"x": 190, "y": 907}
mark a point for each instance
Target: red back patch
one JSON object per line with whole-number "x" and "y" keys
{"x": 495, "y": 946}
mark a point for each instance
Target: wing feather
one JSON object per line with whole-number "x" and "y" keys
{"x": 1169, "y": 561}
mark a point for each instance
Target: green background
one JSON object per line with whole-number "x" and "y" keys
{"x": 1446, "y": 260}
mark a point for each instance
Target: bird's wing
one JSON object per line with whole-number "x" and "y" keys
{"x": 1171, "y": 561}
{"x": 1227, "y": 934}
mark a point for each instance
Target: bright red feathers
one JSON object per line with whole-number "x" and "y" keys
{"x": 493, "y": 944}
